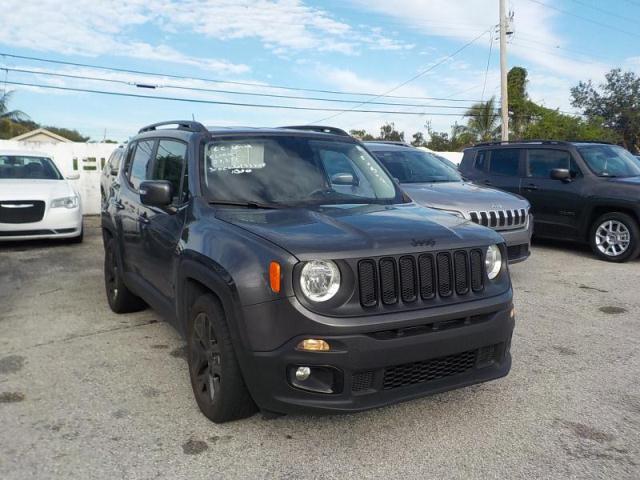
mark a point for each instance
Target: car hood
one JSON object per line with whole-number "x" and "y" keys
{"x": 625, "y": 180}
{"x": 19, "y": 189}
{"x": 463, "y": 197}
{"x": 348, "y": 231}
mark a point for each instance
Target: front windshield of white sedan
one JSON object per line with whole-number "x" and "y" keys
{"x": 28, "y": 168}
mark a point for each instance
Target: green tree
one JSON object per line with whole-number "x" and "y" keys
{"x": 614, "y": 104}
{"x": 418, "y": 139}
{"x": 483, "y": 120}
{"x": 361, "y": 135}
{"x": 553, "y": 125}
{"x": 458, "y": 139}
{"x": 388, "y": 132}
{"x": 69, "y": 134}
{"x": 5, "y": 113}
{"x": 521, "y": 108}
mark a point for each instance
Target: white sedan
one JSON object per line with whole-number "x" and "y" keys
{"x": 36, "y": 201}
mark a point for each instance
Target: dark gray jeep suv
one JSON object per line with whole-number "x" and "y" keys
{"x": 298, "y": 290}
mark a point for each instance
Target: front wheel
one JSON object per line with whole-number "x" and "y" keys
{"x": 615, "y": 237}
{"x": 216, "y": 378}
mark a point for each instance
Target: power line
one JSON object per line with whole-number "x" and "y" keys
{"x": 213, "y": 90}
{"x": 586, "y": 19}
{"x": 415, "y": 77}
{"x": 218, "y": 102}
{"x": 212, "y": 80}
{"x": 606, "y": 12}
{"x": 486, "y": 71}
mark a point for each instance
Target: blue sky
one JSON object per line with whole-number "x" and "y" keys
{"x": 369, "y": 46}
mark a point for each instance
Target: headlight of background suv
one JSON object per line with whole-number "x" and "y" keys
{"x": 493, "y": 261}
{"x": 320, "y": 280}
{"x": 66, "y": 202}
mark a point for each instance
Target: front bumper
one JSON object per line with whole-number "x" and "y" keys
{"x": 56, "y": 223}
{"x": 518, "y": 242}
{"x": 373, "y": 367}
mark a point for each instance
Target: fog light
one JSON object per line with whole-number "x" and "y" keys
{"x": 316, "y": 378}
{"x": 313, "y": 345}
{"x": 302, "y": 373}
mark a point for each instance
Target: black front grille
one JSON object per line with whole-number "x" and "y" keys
{"x": 388, "y": 281}
{"x": 428, "y": 370}
{"x": 22, "y": 211}
{"x": 362, "y": 381}
{"x": 426, "y": 276}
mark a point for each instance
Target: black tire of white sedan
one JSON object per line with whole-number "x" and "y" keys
{"x": 216, "y": 378}
{"x": 615, "y": 237}
{"x": 120, "y": 298}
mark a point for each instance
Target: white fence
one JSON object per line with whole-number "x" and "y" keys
{"x": 85, "y": 159}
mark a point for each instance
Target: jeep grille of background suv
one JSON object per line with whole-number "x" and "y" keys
{"x": 501, "y": 219}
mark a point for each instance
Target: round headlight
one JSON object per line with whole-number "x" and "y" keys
{"x": 320, "y": 280}
{"x": 493, "y": 261}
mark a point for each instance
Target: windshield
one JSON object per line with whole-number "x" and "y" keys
{"x": 25, "y": 167}
{"x": 416, "y": 166}
{"x": 610, "y": 161}
{"x": 284, "y": 170}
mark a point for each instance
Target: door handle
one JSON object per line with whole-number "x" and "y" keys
{"x": 118, "y": 204}
{"x": 531, "y": 186}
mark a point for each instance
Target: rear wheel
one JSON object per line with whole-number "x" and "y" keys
{"x": 216, "y": 378}
{"x": 615, "y": 237}
{"x": 120, "y": 298}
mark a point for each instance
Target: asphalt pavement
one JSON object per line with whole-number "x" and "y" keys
{"x": 86, "y": 393}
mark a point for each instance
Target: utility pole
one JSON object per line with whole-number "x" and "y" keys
{"x": 504, "y": 96}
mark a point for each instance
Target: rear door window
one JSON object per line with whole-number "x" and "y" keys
{"x": 505, "y": 161}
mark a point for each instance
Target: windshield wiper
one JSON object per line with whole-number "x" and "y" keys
{"x": 265, "y": 206}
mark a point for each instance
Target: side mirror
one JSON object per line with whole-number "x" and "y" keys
{"x": 562, "y": 174}
{"x": 156, "y": 193}
{"x": 343, "y": 179}
{"x": 73, "y": 176}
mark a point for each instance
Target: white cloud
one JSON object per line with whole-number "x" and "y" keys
{"x": 92, "y": 28}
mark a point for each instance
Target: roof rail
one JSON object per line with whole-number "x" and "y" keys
{"x": 389, "y": 142}
{"x": 318, "y": 128}
{"x": 188, "y": 125}
{"x": 540, "y": 142}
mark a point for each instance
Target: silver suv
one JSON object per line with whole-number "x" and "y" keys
{"x": 431, "y": 183}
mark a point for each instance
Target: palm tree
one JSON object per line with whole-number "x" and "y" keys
{"x": 483, "y": 120}
{"x": 5, "y": 113}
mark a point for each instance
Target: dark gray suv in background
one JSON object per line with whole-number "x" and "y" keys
{"x": 579, "y": 191}
{"x": 300, "y": 285}
{"x": 432, "y": 183}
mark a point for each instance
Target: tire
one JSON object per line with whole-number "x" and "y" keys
{"x": 615, "y": 237}
{"x": 216, "y": 379}
{"x": 120, "y": 298}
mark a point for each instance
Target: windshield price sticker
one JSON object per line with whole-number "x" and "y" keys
{"x": 235, "y": 158}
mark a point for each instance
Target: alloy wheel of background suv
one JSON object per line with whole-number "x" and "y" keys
{"x": 615, "y": 237}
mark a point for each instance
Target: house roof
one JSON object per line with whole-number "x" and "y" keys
{"x": 40, "y": 131}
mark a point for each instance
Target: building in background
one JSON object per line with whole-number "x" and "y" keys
{"x": 40, "y": 136}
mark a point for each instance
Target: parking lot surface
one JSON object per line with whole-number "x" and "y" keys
{"x": 85, "y": 393}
